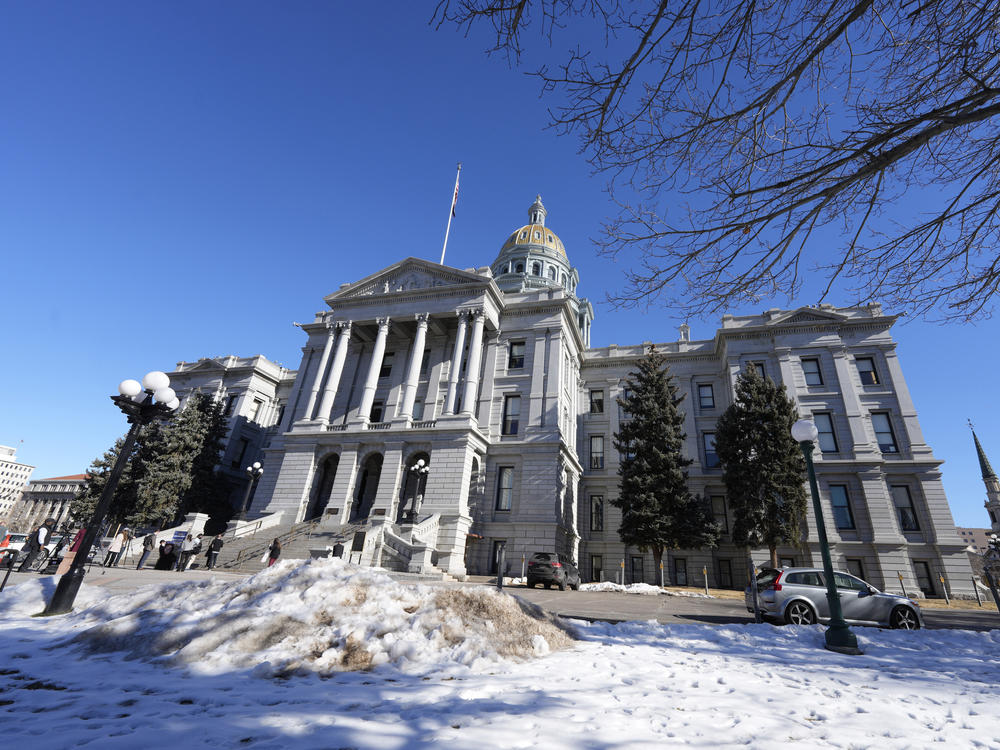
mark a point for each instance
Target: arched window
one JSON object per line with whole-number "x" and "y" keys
{"x": 536, "y": 269}
{"x": 538, "y": 235}
{"x": 564, "y": 280}
{"x": 552, "y": 273}
{"x": 519, "y": 268}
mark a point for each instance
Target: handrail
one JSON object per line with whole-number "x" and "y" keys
{"x": 303, "y": 527}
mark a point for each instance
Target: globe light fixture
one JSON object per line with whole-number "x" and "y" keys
{"x": 140, "y": 409}
{"x": 420, "y": 470}
{"x": 254, "y": 472}
{"x": 839, "y": 637}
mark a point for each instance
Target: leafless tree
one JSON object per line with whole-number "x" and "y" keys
{"x": 753, "y": 143}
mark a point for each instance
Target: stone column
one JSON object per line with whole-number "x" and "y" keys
{"x": 371, "y": 382}
{"x": 861, "y": 444}
{"x": 320, "y": 372}
{"x": 914, "y": 435}
{"x": 336, "y": 372}
{"x": 485, "y": 410}
{"x": 413, "y": 372}
{"x": 293, "y": 397}
{"x": 455, "y": 369}
{"x": 472, "y": 370}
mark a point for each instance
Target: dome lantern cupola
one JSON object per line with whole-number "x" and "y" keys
{"x": 533, "y": 257}
{"x": 537, "y": 212}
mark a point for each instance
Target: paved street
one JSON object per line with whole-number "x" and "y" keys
{"x": 594, "y": 605}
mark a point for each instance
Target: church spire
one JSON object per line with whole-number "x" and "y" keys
{"x": 984, "y": 463}
{"x": 991, "y": 481}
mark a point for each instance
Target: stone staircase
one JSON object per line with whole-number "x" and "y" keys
{"x": 243, "y": 554}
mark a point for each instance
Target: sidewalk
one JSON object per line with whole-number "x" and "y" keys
{"x": 117, "y": 580}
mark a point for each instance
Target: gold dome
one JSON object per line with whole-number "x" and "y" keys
{"x": 535, "y": 234}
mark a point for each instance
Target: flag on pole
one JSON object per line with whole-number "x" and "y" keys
{"x": 451, "y": 215}
{"x": 454, "y": 200}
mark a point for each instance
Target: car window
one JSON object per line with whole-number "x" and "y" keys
{"x": 766, "y": 577}
{"x": 849, "y": 582}
{"x": 544, "y": 557}
{"x": 810, "y": 578}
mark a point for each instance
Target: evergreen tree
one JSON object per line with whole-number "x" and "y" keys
{"x": 658, "y": 510}
{"x": 85, "y": 503}
{"x": 209, "y": 491}
{"x": 762, "y": 465}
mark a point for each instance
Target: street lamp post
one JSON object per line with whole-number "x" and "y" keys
{"x": 839, "y": 637}
{"x": 253, "y": 473}
{"x": 141, "y": 404}
{"x": 419, "y": 470}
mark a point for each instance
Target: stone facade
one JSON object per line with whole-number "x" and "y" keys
{"x": 46, "y": 498}
{"x": 487, "y": 376}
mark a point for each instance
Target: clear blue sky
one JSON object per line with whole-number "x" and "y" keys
{"x": 185, "y": 179}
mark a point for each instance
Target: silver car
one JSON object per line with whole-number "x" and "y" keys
{"x": 798, "y": 596}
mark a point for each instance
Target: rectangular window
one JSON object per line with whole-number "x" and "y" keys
{"x": 505, "y": 487}
{"x": 281, "y": 414}
{"x": 711, "y": 457}
{"x": 787, "y": 562}
{"x": 626, "y": 394}
{"x": 706, "y": 396}
{"x": 680, "y": 571}
{"x": 635, "y": 570}
{"x": 810, "y": 368}
{"x": 238, "y": 461}
{"x": 867, "y": 371}
{"x": 499, "y": 545}
{"x": 884, "y": 435}
{"x": 596, "y": 451}
{"x": 516, "y": 359}
{"x": 719, "y": 511}
{"x": 596, "y": 568}
{"x": 597, "y": 512}
{"x": 386, "y": 369}
{"x": 418, "y": 409}
{"x": 425, "y": 361}
{"x": 597, "y": 402}
{"x": 255, "y": 409}
{"x": 726, "y": 574}
{"x": 758, "y": 368}
{"x": 511, "y": 415}
{"x": 842, "y": 515}
{"x": 827, "y": 438}
{"x": 230, "y": 404}
{"x": 924, "y": 580}
{"x": 376, "y": 412}
{"x": 905, "y": 511}
{"x": 856, "y": 567}
{"x": 626, "y": 453}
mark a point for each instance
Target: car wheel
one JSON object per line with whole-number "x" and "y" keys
{"x": 531, "y": 584}
{"x": 576, "y": 587}
{"x": 904, "y": 618}
{"x": 548, "y": 586}
{"x": 562, "y": 585}
{"x": 800, "y": 613}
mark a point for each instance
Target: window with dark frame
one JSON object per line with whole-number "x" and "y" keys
{"x": 635, "y": 569}
{"x": 758, "y": 368}
{"x": 810, "y": 368}
{"x": 515, "y": 359}
{"x": 596, "y": 568}
{"x": 376, "y": 413}
{"x": 680, "y": 571}
{"x": 230, "y": 404}
{"x": 418, "y": 409}
{"x": 787, "y": 562}
{"x": 505, "y": 487}
{"x": 706, "y": 396}
{"x": 385, "y": 369}
{"x": 719, "y": 511}
{"x": 597, "y": 512}
{"x": 866, "y": 370}
{"x": 425, "y": 361}
{"x": 856, "y": 567}
{"x": 255, "y": 409}
{"x": 725, "y": 574}
{"x": 511, "y": 415}
{"x": 597, "y": 402}
{"x": 623, "y": 412}
{"x": 824, "y": 425}
{"x": 924, "y": 580}
{"x": 244, "y": 444}
{"x": 884, "y": 435}
{"x": 840, "y": 501}
{"x": 596, "y": 451}
{"x": 906, "y": 513}
{"x": 711, "y": 457}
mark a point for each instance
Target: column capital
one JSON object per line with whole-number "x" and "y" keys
{"x": 344, "y": 326}
{"x": 461, "y": 315}
{"x": 422, "y": 319}
{"x": 383, "y": 323}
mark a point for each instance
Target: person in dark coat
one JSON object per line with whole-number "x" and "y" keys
{"x": 148, "y": 542}
{"x": 168, "y": 557}
{"x": 36, "y": 542}
{"x": 213, "y": 552}
{"x": 273, "y": 553}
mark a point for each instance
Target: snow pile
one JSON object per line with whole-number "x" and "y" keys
{"x": 642, "y": 589}
{"x": 29, "y": 599}
{"x": 324, "y": 616}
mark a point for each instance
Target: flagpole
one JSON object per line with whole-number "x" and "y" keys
{"x": 451, "y": 213}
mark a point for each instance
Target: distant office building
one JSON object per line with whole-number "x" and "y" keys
{"x": 978, "y": 540}
{"x": 47, "y": 498}
{"x": 13, "y": 477}
{"x": 486, "y": 376}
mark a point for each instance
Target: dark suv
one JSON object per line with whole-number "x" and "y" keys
{"x": 549, "y": 568}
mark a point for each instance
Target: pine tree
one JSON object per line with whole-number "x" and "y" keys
{"x": 84, "y": 504}
{"x": 762, "y": 465}
{"x": 209, "y": 491}
{"x": 658, "y": 510}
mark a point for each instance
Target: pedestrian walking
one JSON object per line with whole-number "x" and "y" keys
{"x": 148, "y": 542}
{"x": 36, "y": 543}
{"x": 273, "y": 553}
{"x": 194, "y": 552}
{"x": 115, "y": 549}
{"x": 213, "y": 551}
{"x": 187, "y": 550}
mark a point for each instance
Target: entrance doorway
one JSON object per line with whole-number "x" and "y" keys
{"x": 323, "y": 487}
{"x": 371, "y": 471}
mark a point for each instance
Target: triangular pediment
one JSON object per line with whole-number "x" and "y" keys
{"x": 408, "y": 275}
{"x": 806, "y": 316}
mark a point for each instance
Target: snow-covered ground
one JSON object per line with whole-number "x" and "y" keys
{"x": 260, "y": 663}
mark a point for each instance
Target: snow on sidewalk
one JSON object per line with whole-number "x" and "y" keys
{"x": 194, "y": 665}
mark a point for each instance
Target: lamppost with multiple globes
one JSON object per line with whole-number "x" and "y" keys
{"x": 839, "y": 637}
{"x": 253, "y": 473}
{"x": 419, "y": 470}
{"x": 141, "y": 403}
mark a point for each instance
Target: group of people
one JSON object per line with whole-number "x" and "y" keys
{"x": 180, "y": 558}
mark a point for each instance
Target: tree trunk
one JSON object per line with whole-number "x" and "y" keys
{"x": 774, "y": 557}
{"x": 657, "y": 561}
